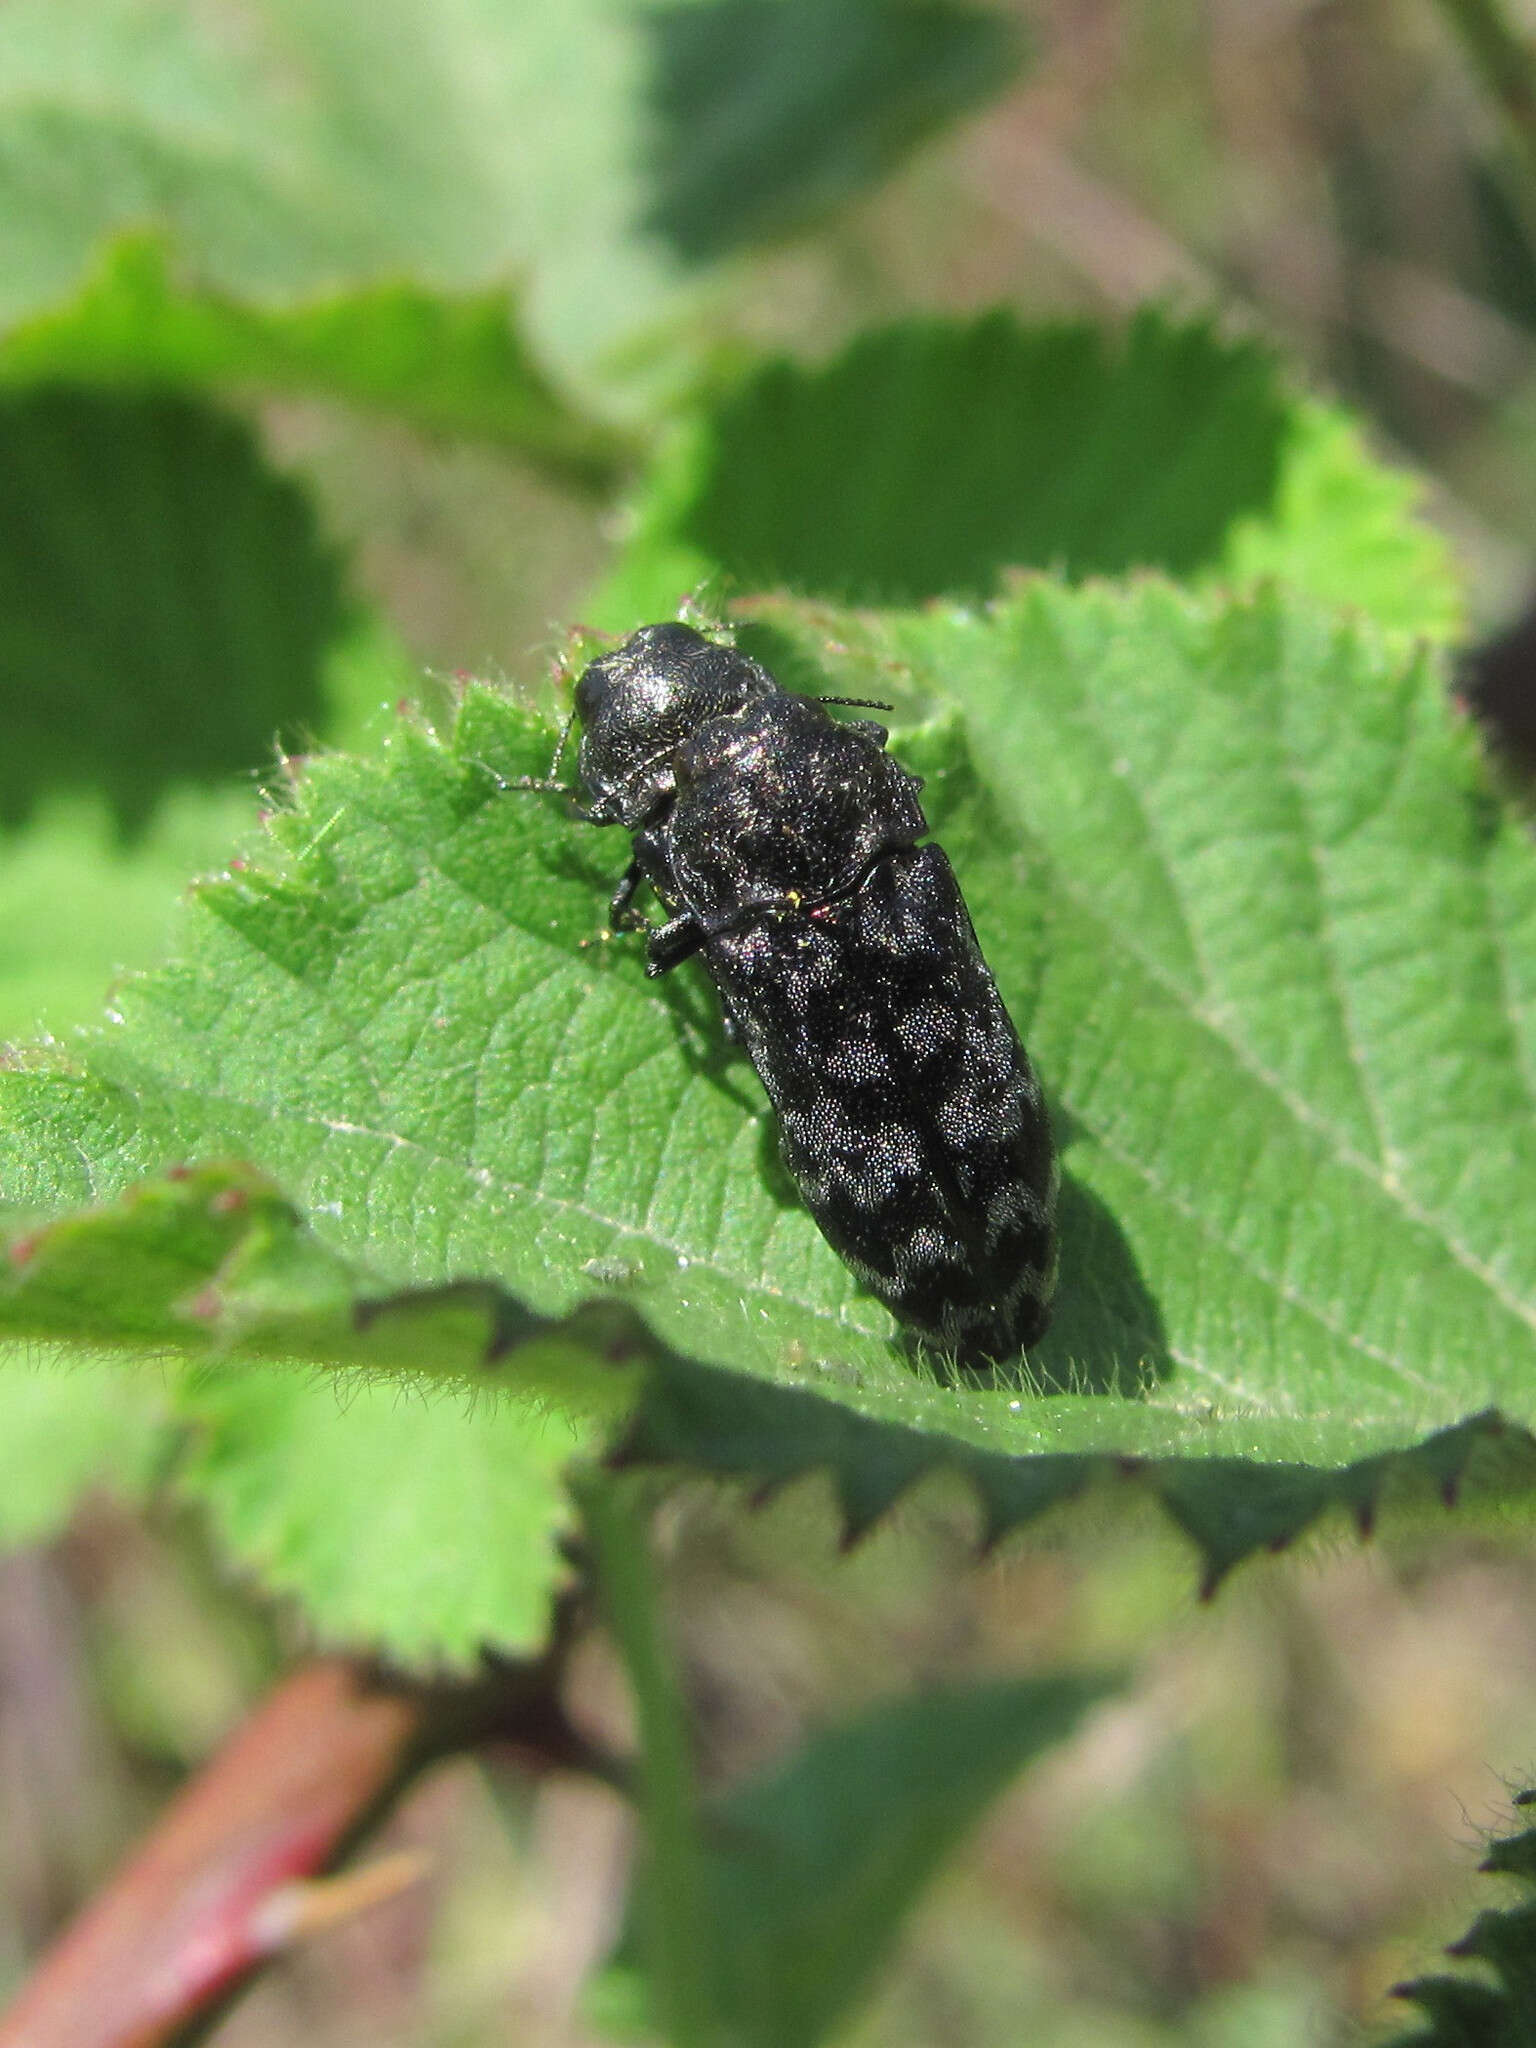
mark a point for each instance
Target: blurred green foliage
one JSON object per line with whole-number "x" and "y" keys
{"x": 166, "y": 604}
{"x": 770, "y": 113}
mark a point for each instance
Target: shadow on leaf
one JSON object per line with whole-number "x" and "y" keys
{"x": 166, "y": 603}
{"x": 931, "y": 457}
{"x": 1105, "y": 1336}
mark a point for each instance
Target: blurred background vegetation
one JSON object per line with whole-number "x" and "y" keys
{"x": 1281, "y": 1817}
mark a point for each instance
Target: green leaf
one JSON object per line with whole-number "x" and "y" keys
{"x": 68, "y": 869}
{"x": 769, "y": 113}
{"x": 323, "y": 148}
{"x": 1349, "y": 530}
{"x": 1243, "y": 881}
{"x": 113, "y": 114}
{"x": 300, "y": 163}
{"x": 92, "y": 1424}
{"x": 212, "y": 1265}
{"x": 426, "y": 1525}
{"x": 1229, "y": 1506}
{"x": 167, "y": 607}
{"x": 1289, "y": 989}
{"x": 932, "y": 457}
{"x": 254, "y": 150}
{"x": 766, "y": 1911}
{"x": 1498, "y": 2009}
{"x": 111, "y": 577}
{"x": 810, "y": 1868}
{"x": 212, "y": 1261}
{"x": 452, "y": 363}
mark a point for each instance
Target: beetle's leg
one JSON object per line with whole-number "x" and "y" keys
{"x": 622, "y": 915}
{"x": 668, "y": 945}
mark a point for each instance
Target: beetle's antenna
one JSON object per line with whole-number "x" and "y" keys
{"x": 565, "y": 733}
{"x": 859, "y": 703}
{"x": 543, "y": 783}
{"x": 548, "y": 785}
{"x": 506, "y": 782}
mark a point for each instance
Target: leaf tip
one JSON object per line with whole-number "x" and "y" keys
{"x": 1210, "y": 1579}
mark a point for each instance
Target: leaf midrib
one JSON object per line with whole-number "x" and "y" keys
{"x": 514, "y": 1190}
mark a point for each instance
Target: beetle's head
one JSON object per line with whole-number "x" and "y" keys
{"x": 640, "y": 703}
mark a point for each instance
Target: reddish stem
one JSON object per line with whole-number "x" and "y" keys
{"x": 214, "y": 1888}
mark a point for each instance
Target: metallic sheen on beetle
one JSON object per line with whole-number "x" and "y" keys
{"x": 790, "y": 853}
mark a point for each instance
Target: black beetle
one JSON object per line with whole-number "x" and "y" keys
{"x": 784, "y": 846}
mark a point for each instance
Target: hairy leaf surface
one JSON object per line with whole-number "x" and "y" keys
{"x": 1242, "y": 884}
{"x": 1250, "y": 897}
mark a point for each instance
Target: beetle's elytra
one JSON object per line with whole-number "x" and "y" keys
{"x": 784, "y": 846}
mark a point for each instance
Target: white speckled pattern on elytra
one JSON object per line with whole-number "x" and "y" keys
{"x": 784, "y": 845}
